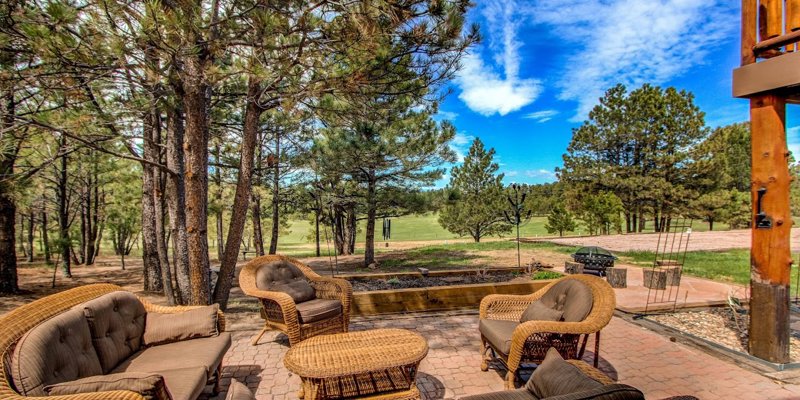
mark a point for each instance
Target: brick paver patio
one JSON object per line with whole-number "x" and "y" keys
{"x": 629, "y": 353}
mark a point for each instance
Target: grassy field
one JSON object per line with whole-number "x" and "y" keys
{"x": 426, "y": 227}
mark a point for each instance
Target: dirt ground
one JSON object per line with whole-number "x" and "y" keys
{"x": 713, "y": 240}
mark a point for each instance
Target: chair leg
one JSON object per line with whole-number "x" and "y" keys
{"x": 596, "y": 348}
{"x": 511, "y": 380}
{"x": 218, "y": 381}
{"x": 486, "y": 356}
{"x": 257, "y": 338}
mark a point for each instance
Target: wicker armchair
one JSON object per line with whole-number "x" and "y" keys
{"x": 531, "y": 340}
{"x": 19, "y": 321}
{"x": 280, "y": 311}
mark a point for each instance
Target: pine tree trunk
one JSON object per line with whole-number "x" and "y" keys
{"x": 276, "y": 179}
{"x": 258, "y": 236}
{"x": 82, "y": 237}
{"x": 160, "y": 236}
{"x": 151, "y": 183}
{"x": 8, "y": 210}
{"x": 243, "y": 185}
{"x": 45, "y": 239}
{"x": 218, "y": 195}
{"x": 176, "y": 206}
{"x": 195, "y": 145}
{"x": 352, "y": 229}
{"x": 93, "y": 220}
{"x": 30, "y": 235}
{"x": 316, "y": 227}
{"x": 369, "y": 240}
{"x": 63, "y": 216}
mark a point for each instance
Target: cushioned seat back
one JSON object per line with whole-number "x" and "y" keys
{"x": 283, "y": 276}
{"x": 55, "y": 351}
{"x": 116, "y": 323}
{"x": 571, "y": 296}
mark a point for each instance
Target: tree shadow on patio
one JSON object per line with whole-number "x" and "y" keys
{"x": 429, "y": 386}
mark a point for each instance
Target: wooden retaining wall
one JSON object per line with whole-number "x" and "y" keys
{"x": 436, "y": 298}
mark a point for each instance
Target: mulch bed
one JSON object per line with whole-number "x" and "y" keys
{"x": 719, "y": 326}
{"x": 408, "y": 282}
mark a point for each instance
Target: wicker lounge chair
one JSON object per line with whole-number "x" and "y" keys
{"x": 289, "y": 305}
{"x": 514, "y": 342}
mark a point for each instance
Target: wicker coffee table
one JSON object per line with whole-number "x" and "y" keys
{"x": 379, "y": 363}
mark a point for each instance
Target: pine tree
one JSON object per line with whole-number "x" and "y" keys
{"x": 559, "y": 220}
{"x": 478, "y": 203}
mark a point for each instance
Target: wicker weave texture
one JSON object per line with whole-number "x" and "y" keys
{"x": 532, "y": 339}
{"x": 17, "y": 322}
{"x": 279, "y": 309}
{"x": 381, "y": 363}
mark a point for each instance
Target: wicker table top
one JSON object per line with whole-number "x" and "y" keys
{"x": 355, "y": 353}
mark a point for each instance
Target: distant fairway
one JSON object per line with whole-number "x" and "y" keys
{"x": 426, "y": 227}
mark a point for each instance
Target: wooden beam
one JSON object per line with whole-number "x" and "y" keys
{"x": 792, "y": 15}
{"x": 749, "y": 29}
{"x": 770, "y": 18}
{"x": 777, "y": 42}
{"x": 770, "y": 256}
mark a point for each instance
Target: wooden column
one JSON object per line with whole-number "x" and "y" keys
{"x": 770, "y": 256}
{"x": 749, "y": 29}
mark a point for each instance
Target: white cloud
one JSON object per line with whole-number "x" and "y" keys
{"x": 542, "y": 116}
{"x": 511, "y": 174}
{"x": 446, "y": 115}
{"x": 631, "y": 41}
{"x": 483, "y": 89}
{"x": 460, "y": 145}
{"x": 542, "y": 174}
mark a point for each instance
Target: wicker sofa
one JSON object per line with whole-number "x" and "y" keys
{"x": 296, "y": 300}
{"x": 101, "y": 342}
{"x": 514, "y": 341}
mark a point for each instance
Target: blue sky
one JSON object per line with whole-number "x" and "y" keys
{"x": 542, "y": 65}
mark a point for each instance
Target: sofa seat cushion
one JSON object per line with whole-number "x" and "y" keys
{"x": 572, "y": 297}
{"x": 184, "y": 383}
{"x": 150, "y": 385}
{"x": 238, "y": 391}
{"x": 519, "y": 394}
{"x": 192, "y": 324}
{"x": 116, "y": 322}
{"x": 318, "y": 310}
{"x": 57, "y": 350}
{"x": 556, "y": 377}
{"x": 283, "y": 276}
{"x": 498, "y": 333}
{"x": 203, "y": 352}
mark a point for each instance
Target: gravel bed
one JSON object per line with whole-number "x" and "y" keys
{"x": 718, "y": 325}
{"x": 407, "y": 282}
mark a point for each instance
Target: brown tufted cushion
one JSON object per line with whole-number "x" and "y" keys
{"x": 238, "y": 391}
{"x": 116, "y": 322}
{"x": 616, "y": 391}
{"x": 537, "y": 311}
{"x": 576, "y": 302}
{"x": 318, "y": 309}
{"x": 57, "y": 350}
{"x": 150, "y": 385}
{"x": 556, "y": 377}
{"x": 166, "y": 328}
{"x": 203, "y": 352}
{"x": 283, "y": 276}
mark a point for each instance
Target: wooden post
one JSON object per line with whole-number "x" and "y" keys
{"x": 749, "y": 29}
{"x": 770, "y": 18}
{"x": 770, "y": 256}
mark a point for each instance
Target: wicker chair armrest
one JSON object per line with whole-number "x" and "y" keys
{"x": 506, "y": 306}
{"x": 526, "y": 329}
{"x": 591, "y": 372}
{"x": 110, "y": 395}
{"x": 150, "y": 307}
{"x": 332, "y": 288}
